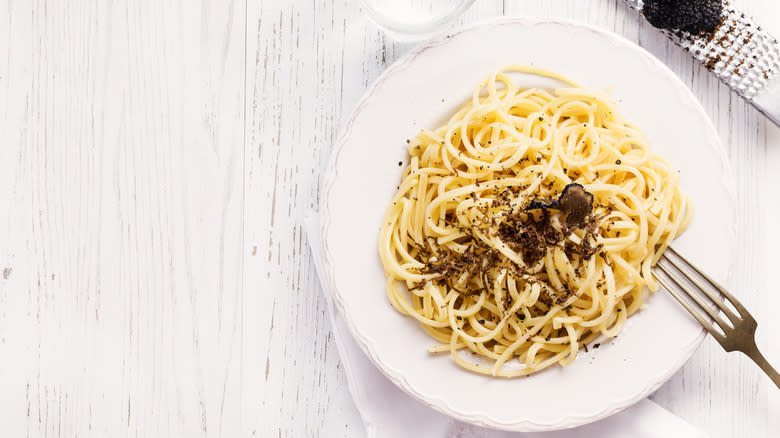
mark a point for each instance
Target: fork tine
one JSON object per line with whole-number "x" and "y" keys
{"x": 706, "y": 324}
{"x": 733, "y": 301}
{"x": 741, "y": 337}
{"x": 694, "y": 296}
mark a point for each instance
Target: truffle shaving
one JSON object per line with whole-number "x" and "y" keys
{"x": 574, "y": 200}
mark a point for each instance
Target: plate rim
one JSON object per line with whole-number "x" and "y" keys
{"x": 564, "y": 421}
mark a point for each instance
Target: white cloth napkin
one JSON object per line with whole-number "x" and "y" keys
{"x": 396, "y": 414}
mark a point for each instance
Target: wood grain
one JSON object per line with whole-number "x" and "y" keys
{"x": 122, "y": 244}
{"x": 157, "y": 161}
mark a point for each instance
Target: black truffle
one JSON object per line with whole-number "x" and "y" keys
{"x": 693, "y": 16}
{"x": 574, "y": 200}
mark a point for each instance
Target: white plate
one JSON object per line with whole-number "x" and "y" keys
{"x": 421, "y": 90}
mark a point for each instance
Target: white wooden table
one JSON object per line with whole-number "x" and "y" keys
{"x": 156, "y": 161}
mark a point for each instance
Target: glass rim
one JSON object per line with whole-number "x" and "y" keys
{"x": 414, "y": 30}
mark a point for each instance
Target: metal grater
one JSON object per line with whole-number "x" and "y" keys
{"x": 741, "y": 54}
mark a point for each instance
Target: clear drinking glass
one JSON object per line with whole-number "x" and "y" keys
{"x": 414, "y": 19}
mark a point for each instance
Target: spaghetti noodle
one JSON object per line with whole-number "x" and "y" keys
{"x": 477, "y": 249}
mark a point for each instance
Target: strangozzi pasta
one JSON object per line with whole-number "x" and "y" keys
{"x": 527, "y": 225}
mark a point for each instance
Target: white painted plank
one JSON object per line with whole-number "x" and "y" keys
{"x": 122, "y": 228}
{"x": 294, "y": 83}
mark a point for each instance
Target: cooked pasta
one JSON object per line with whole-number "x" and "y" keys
{"x": 526, "y": 226}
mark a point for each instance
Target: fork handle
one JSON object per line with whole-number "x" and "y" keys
{"x": 754, "y": 354}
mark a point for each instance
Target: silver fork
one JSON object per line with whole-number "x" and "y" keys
{"x": 740, "y": 335}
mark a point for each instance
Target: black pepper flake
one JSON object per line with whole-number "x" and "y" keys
{"x": 618, "y": 162}
{"x": 596, "y": 345}
{"x": 400, "y": 163}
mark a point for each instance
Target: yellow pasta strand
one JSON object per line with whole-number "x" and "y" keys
{"x": 447, "y": 246}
